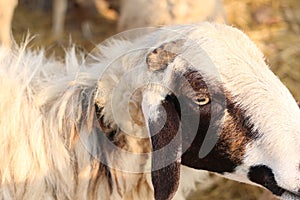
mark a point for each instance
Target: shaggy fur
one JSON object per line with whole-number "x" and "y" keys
{"x": 49, "y": 123}
{"x": 44, "y": 104}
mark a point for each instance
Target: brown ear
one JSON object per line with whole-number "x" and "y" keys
{"x": 165, "y": 132}
{"x": 160, "y": 57}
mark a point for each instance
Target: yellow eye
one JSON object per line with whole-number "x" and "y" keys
{"x": 202, "y": 101}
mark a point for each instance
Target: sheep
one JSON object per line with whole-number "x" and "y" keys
{"x": 60, "y": 9}
{"x": 59, "y": 14}
{"x": 250, "y": 147}
{"x": 118, "y": 123}
{"x": 141, "y": 13}
{"x": 7, "y": 8}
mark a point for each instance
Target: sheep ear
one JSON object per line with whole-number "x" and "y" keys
{"x": 160, "y": 57}
{"x": 163, "y": 123}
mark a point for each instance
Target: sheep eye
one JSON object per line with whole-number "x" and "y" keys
{"x": 202, "y": 101}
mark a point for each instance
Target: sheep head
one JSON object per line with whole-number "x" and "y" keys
{"x": 215, "y": 105}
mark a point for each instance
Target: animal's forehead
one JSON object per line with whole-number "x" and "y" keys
{"x": 230, "y": 55}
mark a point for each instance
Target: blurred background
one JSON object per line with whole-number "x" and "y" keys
{"x": 274, "y": 25}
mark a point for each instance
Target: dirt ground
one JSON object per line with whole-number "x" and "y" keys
{"x": 273, "y": 24}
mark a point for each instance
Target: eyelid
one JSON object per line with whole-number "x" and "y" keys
{"x": 201, "y": 101}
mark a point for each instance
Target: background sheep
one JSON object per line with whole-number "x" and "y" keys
{"x": 154, "y": 13}
{"x": 7, "y": 8}
{"x": 141, "y": 13}
{"x": 83, "y": 8}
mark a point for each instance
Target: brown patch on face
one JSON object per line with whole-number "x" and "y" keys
{"x": 160, "y": 57}
{"x": 232, "y": 138}
{"x": 195, "y": 81}
{"x": 193, "y": 86}
{"x": 237, "y": 131}
{"x": 234, "y": 141}
{"x": 228, "y": 153}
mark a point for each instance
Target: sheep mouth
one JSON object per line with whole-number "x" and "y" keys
{"x": 263, "y": 175}
{"x": 282, "y": 193}
{"x": 287, "y": 195}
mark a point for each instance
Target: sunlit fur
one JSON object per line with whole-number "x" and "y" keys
{"x": 43, "y": 102}
{"x": 42, "y": 157}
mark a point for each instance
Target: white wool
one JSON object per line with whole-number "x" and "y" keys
{"x": 42, "y": 101}
{"x": 226, "y": 55}
{"x": 46, "y": 104}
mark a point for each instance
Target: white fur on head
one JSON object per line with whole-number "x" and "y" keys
{"x": 268, "y": 106}
{"x": 44, "y": 105}
{"x": 266, "y": 101}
